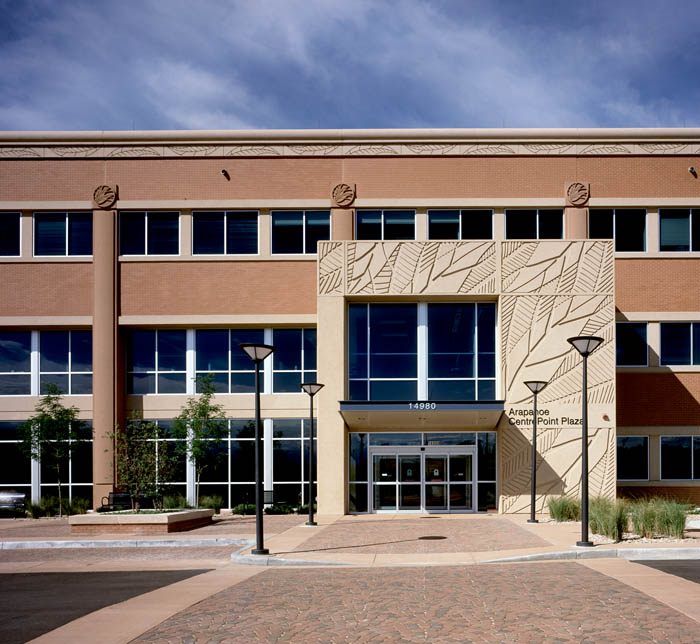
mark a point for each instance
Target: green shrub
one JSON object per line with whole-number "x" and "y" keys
{"x": 215, "y": 502}
{"x": 244, "y": 508}
{"x": 279, "y": 508}
{"x": 607, "y": 517}
{"x": 564, "y": 508}
{"x": 49, "y": 505}
{"x": 304, "y": 509}
{"x": 80, "y": 506}
{"x": 660, "y": 516}
{"x": 175, "y": 502}
{"x": 35, "y": 510}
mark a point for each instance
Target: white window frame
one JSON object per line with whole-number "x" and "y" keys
{"x": 4, "y": 213}
{"x": 422, "y": 352}
{"x": 648, "y": 451}
{"x": 646, "y": 333}
{"x": 66, "y": 231}
{"x": 188, "y": 371}
{"x": 384, "y": 211}
{"x": 145, "y": 233}
{"x": 226, "y": 213}
{"x": 70, "y": 371}
{"x": 692, "y": 446}
{"x": 303, "y": 239}
{"x": 459, "y": 220}
{"x": 301, "y": 371}
{"x": 537, "y": 223}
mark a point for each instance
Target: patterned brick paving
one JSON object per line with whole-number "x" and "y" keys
{"x": 556, "y": 603}
{"x": 403, "y": 536}
{"x": 99, "y": 555}
{"x": 39, "y": 528}
{"x": 245, "y": 525}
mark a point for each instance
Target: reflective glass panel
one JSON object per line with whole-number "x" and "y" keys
{"x": 15, "y": 385}
{"x": 696, "y": 457}
{"x": 141, "y": 383}
{"x": 435, "y": 468}
{"x": 451, "y": 390}
{"x": 58, "y": 379}
{"x": 384, "y": 468}
{"x": 443, "y": 224}
{"x": 309, "y": 349}
{"x": 600, "y": 223}
{"x": 409, "y": 497}
{"x": 435, "y": 498}
{"x": 54, "y": 351}
{"x": 486, "y": 442}
{"x": 141, "y": 352}
{"x": 15, "y": 351}
{"x": 632, "y": 458}
{"x": 171, "y": 350}
{"x": 630, "y": 230}
{"x": 318, "y": 227}
{"x": 242, "y": 233}
{"x": 287, "y": 383}
{"x": 288, "y": 232}
{"x": 384, "y": 497}
{"x": 676, "y": 457}
{"x": 390, "y": 438}
{"x": 81, "y": 383}
{"x": 393, "y": 390}
{"x": 357, "y": 340}
{"x": 9, "y": 234}
{"x": 631, "y": 343}
{"x": 674, "y": 229}
{"x": 409, "y": 468}
{"x": 521, "y": 224}
{"x": 242, "y": 460}
{"x": 132, "y": 233}
{"x": 218, "y": 380}
{"x": 461, "y": 497}
{"x": 393, "y": 338}
{"x": 208, "y": 233}
{"x": 368, "y": 224}
{"x": 287, "y": 343}
{"x": 399, "y": 224}
{"x": 172, "y": 383}
{"x": 239, "y": 359}
{"x": 80, "y": 233}
{"x": 163, "y": 233}
{"x": 477, "y": 224}
{"x": 358, "y": 497}
{"x": 16, "y": 467}
{"x": 451, "y": 340}
{"x": 286, "y": 460}
{"x": 286, "y": 428}
{"x": 675, "y": 343}
{"x": 487, "y": 497}
{"x": 81, "y": 350}
{"x": 449, "y": 438}
{"x": 212, "y": 349}
{"x": 551, "y": 224}
{"x": 50, "y": 233}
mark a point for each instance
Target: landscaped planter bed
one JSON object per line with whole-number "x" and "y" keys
{"x": 147, "y": 523}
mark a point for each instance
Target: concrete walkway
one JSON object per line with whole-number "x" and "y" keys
{"x": 367, "y": 550}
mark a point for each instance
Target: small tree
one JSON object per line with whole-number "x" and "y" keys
{"x": 51, "y": 435}
{"x": 141, "y": 467}
{"x": 200, "y": 428}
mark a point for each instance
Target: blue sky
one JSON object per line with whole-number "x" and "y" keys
{"x": 229, "y": 64}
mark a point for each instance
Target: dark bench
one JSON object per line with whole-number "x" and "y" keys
{"x": 12, "y": 500}
{"x": 116, "y": 501}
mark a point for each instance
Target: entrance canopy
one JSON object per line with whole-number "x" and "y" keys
{"x": 363, "y": 415}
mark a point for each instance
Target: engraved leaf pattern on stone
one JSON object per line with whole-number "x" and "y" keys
{"x": 605, "y": 149}
{"x": 489, "y": 149}
{"x": 430, "y": 148}
{"x": 129, "y": 151}
{"x": 372, "y": 150}
{"x": 253, "y": 151}
{"x": 548, "y": 148}
{"x": 74, "y": 151}
{"x": 194, "y": 150}
{"x": 330, "y": 261}
{"x": 16, "y": 153}
{"x": 662, "y": 147}
{"x": 313, "y": 150}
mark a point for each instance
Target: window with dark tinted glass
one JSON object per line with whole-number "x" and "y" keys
{"x": 62, "y": 233}
{"x": 15, "y": 363}
{"x": 294, "y": 359}
{"x": 680, "y": 343}
{"x": 627, "y": 226}
{"x": 297, "y": 232}
{"x": 633, "y": 458}
{"x": 460, "y": 224}
{"x": 225, "y": 233}
{"x": 535, "y": 224}
{"x": 149, "y": 233}
{"x": 679, "y": 229}
{"x": 65, "y": 360}
{"x": 385, "y": 224}
{"x": 10, "y": 234}
{"x": 631, "y": 344}
{"x": 156, "y": 361}
{"x": 677, "y": 457}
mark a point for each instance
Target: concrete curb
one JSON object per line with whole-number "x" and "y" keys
{"x": 122, "y": 543}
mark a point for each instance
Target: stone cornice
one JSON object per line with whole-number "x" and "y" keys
{"x": 334, "y": 143}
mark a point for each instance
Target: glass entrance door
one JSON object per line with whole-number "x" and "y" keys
{"x": 433, "y": 480}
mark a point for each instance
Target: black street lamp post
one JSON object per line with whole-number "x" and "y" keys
{"x": 535, "y": 386}
{"x": 585, "y": 345}
{"x": 311, "y": 388}
{"x": 257, "y": 353}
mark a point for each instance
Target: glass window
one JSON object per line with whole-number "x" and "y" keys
{"x": 633, "y": 458}
{"x": 631, "y": 344}
{"x": 156, "y": 361}
{"x": 15, "y": 363}
{"x": 535, "y": 224}
{"x": 385, "y": 224}
{"x": 297, "y": 232}
{"x": 677, "y": 457}
{"x": 149, "y": 233}
{"x": 460, "y": 224}
{"x": 680, "y": 343}
{"x": 627, "y": 226}
{"x": 10, "y": 234}
{"x": 294, "y": 359}
{"x": 66, "y": 361}
{"x": 290, "y": 460}
{"x": 230, "y": 233}
{"x": 679, "y": 229}
{"x": 62, "y": 233}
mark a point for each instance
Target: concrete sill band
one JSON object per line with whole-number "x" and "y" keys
{"x": 96, "y": 523}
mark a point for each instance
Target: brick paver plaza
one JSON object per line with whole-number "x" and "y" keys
{"x": 527, "y": 603}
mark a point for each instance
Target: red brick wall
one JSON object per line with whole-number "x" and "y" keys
{"x": 658, "y": 399}
{"x": 682, "y": 494}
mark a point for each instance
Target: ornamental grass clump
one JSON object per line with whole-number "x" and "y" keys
{"x": 658, "y": 516}
{"x": 608, "y": 517}
{"x": 564, "y": 508}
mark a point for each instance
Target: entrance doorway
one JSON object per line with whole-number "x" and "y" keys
{"x": 428, "y": 479}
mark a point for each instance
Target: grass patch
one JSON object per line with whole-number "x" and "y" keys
{"x": 607, "y": 517}
{"x": 564, "y": 508}
{"x": 658, "y": 516}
